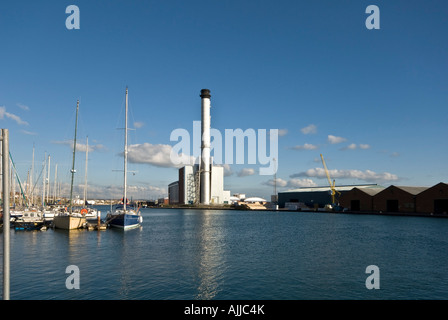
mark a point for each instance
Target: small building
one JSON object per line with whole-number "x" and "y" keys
{"x": 240, "y": 196}
{"x": 173, "y": 192}
{"x": 188, "y": 184}
{"x": 359, "y": 199}
{"x": 217, "y": 193}
{"x": 255, "y": 199}
{"x": 163, "y": 201}
{"x": 433, "y": 199}
{"x": 397, "y": 199}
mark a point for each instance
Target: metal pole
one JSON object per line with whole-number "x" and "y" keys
{"x": 6, "y": 216}
{"x": 125, "y": 152}
{"x": 74, "y": 152}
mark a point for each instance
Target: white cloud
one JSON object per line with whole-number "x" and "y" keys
{"x": 138, "y": 124}
{"x": 246, "y": 172}
{"x": 227, "y": 169}
{"x": 23, "y": 107}
{"x": 298, "y": 183}
{"x": 311, "y": 129}
{"x": 280, "y": 182}
{"x": 292, "y": 183}
{"x": 158, "y": 155}
{"x": 306, "y": 146}
{"x": 11, "y": 116}
{"x": 367, "y": 175}
{"x": 334, "y": 140}
{"x": 29, "y": 133}
{"x": 81, "y": 147}
{"x": 353, "y": 146}
{"x": 280, "y": 132}
{"x": 115, "y": 191}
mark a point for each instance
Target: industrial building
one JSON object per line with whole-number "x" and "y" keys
{"x": 371, "y": 198}
{"x": 201, "y": 183}
{"x": 433, "y": 200}
{"x": 187, "y": 189}
{"x": 401, "y": 199}
{"x": 314, "y": 197}
{"x": 359, "y": 199}
{"x": 173, "y": 193}
{"x": 397, "y": 199}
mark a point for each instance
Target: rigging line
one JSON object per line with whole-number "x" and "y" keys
{"x": 37, "y": 180}
{"x": 18, "y": 178}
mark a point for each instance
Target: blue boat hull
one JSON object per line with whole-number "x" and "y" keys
{"x": 125, "y": 221}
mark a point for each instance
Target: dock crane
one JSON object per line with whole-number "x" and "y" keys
{"x": 332, "y": 185}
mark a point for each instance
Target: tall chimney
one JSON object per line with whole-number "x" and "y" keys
{"x": 205, "y": 147}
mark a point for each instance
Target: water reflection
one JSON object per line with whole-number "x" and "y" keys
{"x": 211, "y": 255}
{"x": 126, "y": 253}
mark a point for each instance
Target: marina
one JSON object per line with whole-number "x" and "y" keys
{"x": 223, "y": 150}
{"x": 231, "y": 254}
{"x": 124, "y": 215}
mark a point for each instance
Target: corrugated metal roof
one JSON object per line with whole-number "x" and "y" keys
{"x": 339, "y": 188}
{"x": 412, "y": 190}
{"x": 437, "y": 186}
{"x": 371, "y": 191}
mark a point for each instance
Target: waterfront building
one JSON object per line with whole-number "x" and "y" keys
{"x": 204, "y": 183}
{"x": 397, "y": 199}
{"x": 433, "y": 200}
{"x": 401, "y": 199}
{"x": 314, "y": 197}
{"x": 187, "y": 189}
{"x": 173, "y": 192}
{"x": 359, "y": 199}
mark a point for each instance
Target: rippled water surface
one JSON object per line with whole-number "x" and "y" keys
{"x": 226, "y": 254}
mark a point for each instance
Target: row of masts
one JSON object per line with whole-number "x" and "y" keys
{"x": 28, "y": 194}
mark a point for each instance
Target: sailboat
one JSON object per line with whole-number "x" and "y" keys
{"x": 71, "y": 219}
{"x": 124, "y": 215}
{"x": 90, "y": 213}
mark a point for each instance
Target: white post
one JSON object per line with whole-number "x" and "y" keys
{"x": 55, "y": 183}
{"x": 48, "y": 180}
{"x": 125, "y": 151}
{"x": 85, "y": 178}
{"x": 6, "y": 216}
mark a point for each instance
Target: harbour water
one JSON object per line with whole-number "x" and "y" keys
{"x": 193, "y": 254}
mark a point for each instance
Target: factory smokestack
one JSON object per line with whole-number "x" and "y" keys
{"x": 205, "y": 147}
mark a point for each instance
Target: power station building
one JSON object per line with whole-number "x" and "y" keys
{"x": 187, "y": 189}
{"x": 204, "y": 183}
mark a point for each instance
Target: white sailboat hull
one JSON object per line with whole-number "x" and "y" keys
{"x": 69, "y": 222}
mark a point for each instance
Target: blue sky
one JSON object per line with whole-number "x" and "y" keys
{"x": 373, "y": 102}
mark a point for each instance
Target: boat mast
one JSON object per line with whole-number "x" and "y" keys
{"x": 31, "y": 180}
{"x": 73, "y": 162}
{"x": 125, "y": 149}
{"x": 55, "y": 183}
{"x": 43, "y": 180}
{"x": 47, "y": 195}
{"x": 85, "y": 178}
